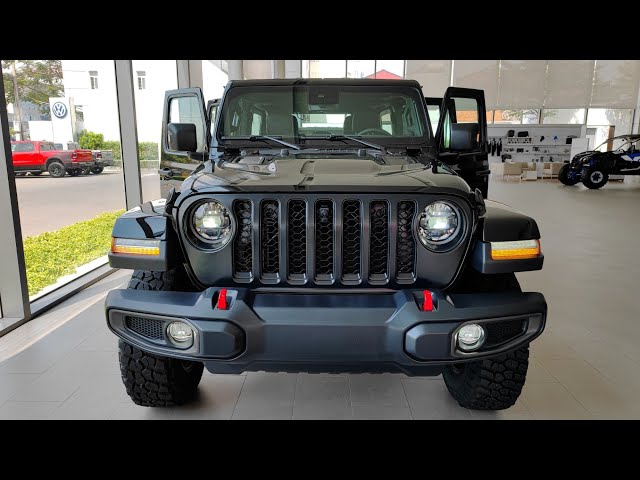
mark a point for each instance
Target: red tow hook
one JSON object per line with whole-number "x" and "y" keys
{"x": 222, "y": 299}
{"x": 427, "y": 304}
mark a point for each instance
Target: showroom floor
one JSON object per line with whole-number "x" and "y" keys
{"x": 585, "y": 365}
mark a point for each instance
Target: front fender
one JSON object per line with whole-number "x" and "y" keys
{"x": 502, "y": 223}
{"x": 146, "y": 222}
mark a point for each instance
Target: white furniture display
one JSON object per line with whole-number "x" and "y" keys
{"x": 551, "y": 170}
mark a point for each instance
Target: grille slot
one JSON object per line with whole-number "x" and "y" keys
{"x": 405, "y": 242}
{"x": 146, "y": 327}
{"x": 379, "y": 240}
{"x": 351, "y": 240}
{"x": 270, "y": 238}
{"x": 242, "y": 245}
{"x": 324, "y": 239}
{"x": 501, "y": 332}
{"x": 297, "y": 239}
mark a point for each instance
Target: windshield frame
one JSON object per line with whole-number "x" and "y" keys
{"x": 316, "y": 141}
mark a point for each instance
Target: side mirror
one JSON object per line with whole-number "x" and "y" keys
{"x": 181, "y": 137}
{"x": 464, "y": 137}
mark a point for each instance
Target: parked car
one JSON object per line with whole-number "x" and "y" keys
{"x": 593, "y": 167}
{"x": 291, "y": 249}
{"x": 101, "y": 158}
{"x": 37, "y": 157}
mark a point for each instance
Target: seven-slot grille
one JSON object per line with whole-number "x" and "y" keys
{"x": 324, "y": 241}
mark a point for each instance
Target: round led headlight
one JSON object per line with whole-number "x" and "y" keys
{"x": 212, "y": 224}
{"x": 438, "y": 224}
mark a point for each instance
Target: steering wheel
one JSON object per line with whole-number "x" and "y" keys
{"x": 374, "y": 131}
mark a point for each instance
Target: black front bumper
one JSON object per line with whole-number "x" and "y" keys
{"x": 363, "y": 332}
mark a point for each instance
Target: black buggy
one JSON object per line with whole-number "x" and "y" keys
{"x": 593, "y": 167}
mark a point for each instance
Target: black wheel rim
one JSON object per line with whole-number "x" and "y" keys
{"x": 55, "y": 169}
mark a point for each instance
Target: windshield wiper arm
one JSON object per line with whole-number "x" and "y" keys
{"x": 356, "y": 139}
{"x": 254, "y": 138}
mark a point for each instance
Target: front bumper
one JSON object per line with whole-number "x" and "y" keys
{"x": 363, "y": 332}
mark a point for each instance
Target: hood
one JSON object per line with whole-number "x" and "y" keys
{"x": 584, "y": 155}
{"x": 323, "y": 173}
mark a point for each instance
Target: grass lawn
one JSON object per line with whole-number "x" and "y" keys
{"x": 52, "y": 255}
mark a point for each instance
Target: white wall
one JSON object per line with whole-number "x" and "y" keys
{"x": 161, "y": 75}
{"x": 213, "y": 80}
{"x": 100, "y": 106}
{"x": 41, "y": 130}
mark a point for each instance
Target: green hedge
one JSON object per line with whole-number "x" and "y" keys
{"x": 148, "y": 151}
{"x": 51, "y": 255}
{"x": 115, "y": 146}
{"x": 95, "y": 141}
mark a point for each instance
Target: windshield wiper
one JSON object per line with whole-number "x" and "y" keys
{"x": 334, "y": 137}
{"x": 257, "y": 138}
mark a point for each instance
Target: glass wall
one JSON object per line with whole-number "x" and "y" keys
{"x": 65, "y": 144}
{"x": 609, "y": 122}
{"x": 151, "y": 79}
{"x": 381, "y": 69}
{"x": 361, "y": 68}
{"x": 555, "y": 116}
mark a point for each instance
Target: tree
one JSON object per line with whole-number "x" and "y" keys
{"x": 91, "y": 140}
{"x": 527, "y": 112}
{"x": 37, "y": 80}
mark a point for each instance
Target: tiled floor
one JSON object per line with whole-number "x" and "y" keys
{"x": 585, "y": 365}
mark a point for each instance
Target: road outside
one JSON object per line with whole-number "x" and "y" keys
{"x": 47, "y": 204}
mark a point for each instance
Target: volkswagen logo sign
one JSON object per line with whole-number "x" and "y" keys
{"x": 59, "y": 109}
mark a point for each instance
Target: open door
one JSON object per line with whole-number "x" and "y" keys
{"x": 461, "y": 136}
{"x": 185, "y": 136}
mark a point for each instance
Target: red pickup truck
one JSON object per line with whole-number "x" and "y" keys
{"x": 37, "y": 157}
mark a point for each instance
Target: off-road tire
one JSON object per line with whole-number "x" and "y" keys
{"x": 563, "y": 176}
{"x": 97, "y": 170}
{"x": 56, "y": 169}
{"x": 494, "y": 383}
{"x": 156, "y": 381}
{"x": 153, "y": 380}
{"x": 175, "y": 279}
{"x": 490, "y": 384}
{"x": 594, "y": 178}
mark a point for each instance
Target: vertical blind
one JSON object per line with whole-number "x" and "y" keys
{"x": 557, "y": 84}
{"x": 433, "y": 75}
{"x": 480, "y": 74}
{"x": 521, "y": 83}
{"x": 615, "y": 84}
{"x": 568, "y": 83}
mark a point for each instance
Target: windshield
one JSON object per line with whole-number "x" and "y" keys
{"x": 311, "y": 114}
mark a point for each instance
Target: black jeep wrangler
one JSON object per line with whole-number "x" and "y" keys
{"x": 323, "y": 228}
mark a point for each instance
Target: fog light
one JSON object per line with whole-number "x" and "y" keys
{"x": 470, "y": 337}
{"x": 180, "y": 333}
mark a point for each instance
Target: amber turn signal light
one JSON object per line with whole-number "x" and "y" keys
{"x": 135, "y": 247}
{"x": 518, "y": 250}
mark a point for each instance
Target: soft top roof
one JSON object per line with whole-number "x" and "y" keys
{"x": 324, "y": 81}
